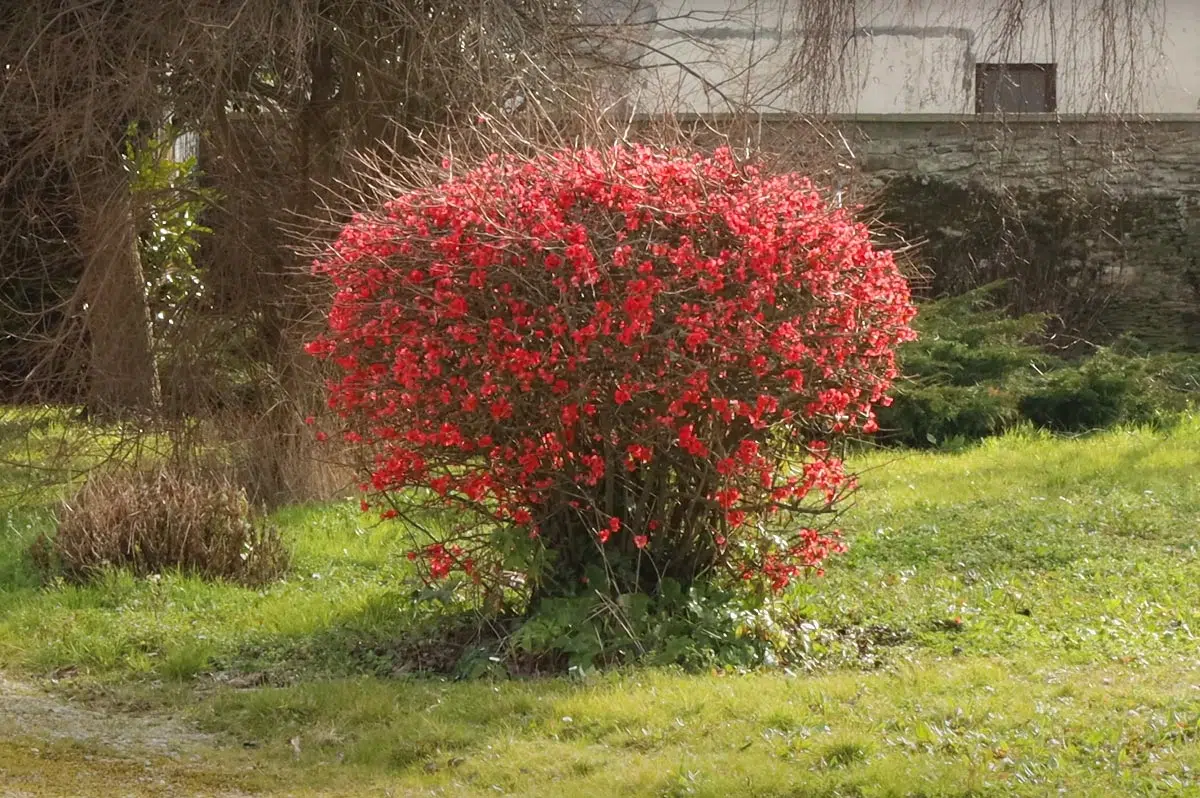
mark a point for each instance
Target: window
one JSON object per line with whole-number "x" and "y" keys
{"x": 1015, "y": 88}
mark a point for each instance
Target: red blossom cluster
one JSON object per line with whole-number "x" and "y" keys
{"x": 650, "y": 348}
{"x": 441, "y": 560}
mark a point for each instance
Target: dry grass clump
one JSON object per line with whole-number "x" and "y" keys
{"x": 161, "y": 520}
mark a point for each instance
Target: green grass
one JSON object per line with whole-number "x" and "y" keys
{"x": 1032, "y": 607}
{"x": 346, "y": 582}
{"x": 1084, "y": 551}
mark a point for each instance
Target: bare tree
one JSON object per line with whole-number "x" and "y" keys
{"x": 279, "y": 93}
{"x": 286, "y": 96}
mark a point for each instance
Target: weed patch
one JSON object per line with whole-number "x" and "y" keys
{"x": 154, "y": 521}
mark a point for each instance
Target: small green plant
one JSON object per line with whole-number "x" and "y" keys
{"x": 959, "y": 373}
{"x": 1111, "y": 388}
{"x": 172, "y": 202}
{"x": 969, "y": 340}
{"x": 694, "y": 627}
{"x": 976, "y": 372}
{"x": 844, "y": 753}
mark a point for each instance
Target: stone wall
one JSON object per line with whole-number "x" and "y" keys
{"x": 1160, "y": 157}
{"x": 1098, "y": 222}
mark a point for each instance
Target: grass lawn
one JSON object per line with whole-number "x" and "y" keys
{"x": 1022, "y": 618}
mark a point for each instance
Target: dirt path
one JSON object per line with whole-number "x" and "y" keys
{"x": 29, "y": 713}
{"x": 49, "y": 746}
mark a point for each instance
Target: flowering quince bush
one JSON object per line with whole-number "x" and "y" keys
{"x": 633, "y": 360}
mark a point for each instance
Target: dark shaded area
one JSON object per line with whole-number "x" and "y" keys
{"x": 39, "y": 271}
{"x": 1100, "y": 265}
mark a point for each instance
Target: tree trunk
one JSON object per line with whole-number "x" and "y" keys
{"x": 123, "y": 374}
{"x": 285, "y": 465}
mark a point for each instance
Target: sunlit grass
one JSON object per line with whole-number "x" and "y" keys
{"x": 1043, "y": 594}
{"x": 344, "y": 566}
{"x": 971, "y": 726}
{"x": 46, "y": 451}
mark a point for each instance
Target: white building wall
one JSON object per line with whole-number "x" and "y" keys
{"x": 915, "y": 56}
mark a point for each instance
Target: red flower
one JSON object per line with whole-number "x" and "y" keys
{"x": 501, "y": 409}
{"x": 726, "y": 498}
{"x": 640, "y": 541}
{"x": 690, "y": 443}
